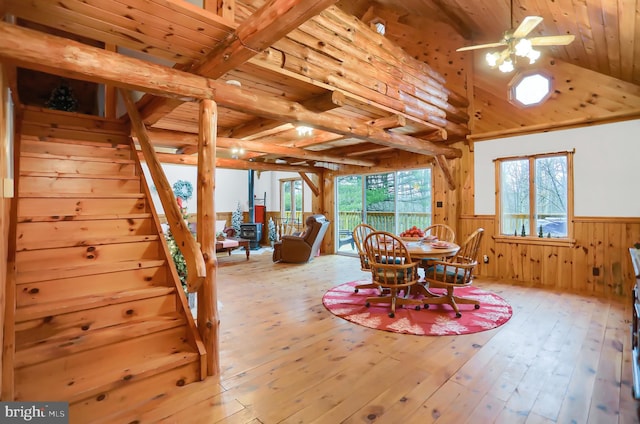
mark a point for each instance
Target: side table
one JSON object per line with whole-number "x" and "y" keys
{"x": 220, "y": 247}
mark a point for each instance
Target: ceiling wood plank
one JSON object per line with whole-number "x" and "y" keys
{"x": 267, "y": 25}
{"x": 64, "y": 57}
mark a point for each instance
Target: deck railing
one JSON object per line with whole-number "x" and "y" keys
{"x": 385, "y": 221}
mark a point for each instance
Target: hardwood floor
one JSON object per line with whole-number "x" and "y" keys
{"x": 562, "y": 358}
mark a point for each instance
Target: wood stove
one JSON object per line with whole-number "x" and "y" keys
{"x": 252, "y": 231}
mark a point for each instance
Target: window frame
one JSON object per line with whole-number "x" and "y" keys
{"x": 365, "y": 212}
{"x": 532, "y": 237}
{"x": 291, "y": 193}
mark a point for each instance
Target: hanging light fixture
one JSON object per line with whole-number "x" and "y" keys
{"x": 515, "y": 44}
{"x": 236, "y": 152}
{"x": 304, "y": 131}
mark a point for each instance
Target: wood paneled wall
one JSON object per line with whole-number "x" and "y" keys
{"x": 4, "y": 209}
{"x": 601, "y": 247}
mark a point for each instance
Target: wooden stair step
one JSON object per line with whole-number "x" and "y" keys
{"x": 32, "y": 163}
{"x": 82, "y": 159}
{"x": 68, "y": 208}
{"x": 48, "y": 195}
{"x": 55, "y": 346}
{"x": 106, "y": 408}
{"x": 59, "y": 148}
{"x": 86, "y": 320}
{"x": 58, "y": 290}
{"x": 42, "y": 310}
{"x": 47, "y": 260}
{"x": 101, "y": 241}
{"x": 68, "y": 218}
{"x": 24, "y": 276}
{"x": 54, "y": 174}
{"x": 112, "y": 195}
{"x": 79, "y": 185}
{"x": 89, "y": 373}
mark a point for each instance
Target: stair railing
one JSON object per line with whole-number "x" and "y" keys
{"x": 196, "y": 267}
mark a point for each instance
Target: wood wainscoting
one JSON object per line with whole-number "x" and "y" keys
{"x": 598, "y": 262}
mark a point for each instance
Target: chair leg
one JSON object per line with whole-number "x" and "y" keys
{"x": 394, "y": 300}
{"x": 364, "y": 286}
{"x": 452, "y": 300}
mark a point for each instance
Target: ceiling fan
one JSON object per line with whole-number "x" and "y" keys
{"x": 518, "y": 45}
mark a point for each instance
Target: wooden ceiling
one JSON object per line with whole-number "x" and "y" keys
{"x": 368, "y": 100}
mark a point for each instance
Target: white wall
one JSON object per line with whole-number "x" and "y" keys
{"x": 232, "y": 186}
{"x": 606, "y": 163}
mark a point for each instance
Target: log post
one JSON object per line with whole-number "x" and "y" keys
{"x": 208, "y": 320}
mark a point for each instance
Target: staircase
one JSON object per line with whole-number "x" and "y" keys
{"x": 100, "y": 317}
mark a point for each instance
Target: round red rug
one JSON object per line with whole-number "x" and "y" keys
{"x": 438, "y": 320}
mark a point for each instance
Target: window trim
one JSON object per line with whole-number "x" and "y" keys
{"x": 292, "y": 194}
{"x": 532, "y": 238}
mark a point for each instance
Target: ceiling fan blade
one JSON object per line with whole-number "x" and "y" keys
{"x": 526, "y": 26}
{"x": 481, "y": 46}
{"x": 552, "y": 40}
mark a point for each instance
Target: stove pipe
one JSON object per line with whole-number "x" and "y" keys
{"x": 252, "y": 212}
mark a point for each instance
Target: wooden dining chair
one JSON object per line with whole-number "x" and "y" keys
{"x": 454, "y": 273}
{"x": 360, "y": 232}
{"x": 392, "y": 270}
{"x": 442, "y": 231}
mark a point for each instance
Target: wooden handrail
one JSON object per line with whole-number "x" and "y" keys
{"x": 196, "y": 267}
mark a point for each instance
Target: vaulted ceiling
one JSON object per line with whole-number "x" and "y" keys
{"x": 368, "y": 100}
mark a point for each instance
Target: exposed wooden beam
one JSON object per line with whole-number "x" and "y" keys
{"x": 190, "y": 141}
{"x": 222, "y": 8}
{"x": 530, "y": 129}
{"x": 391, "y": 121}
{"x": 233, "y": 163}
{"x": 294, "y": 152}
{"x": 267, "y": 25}
{"x": 64, "y": 57}
{"x": 260, "y": 127}
{"x": 312, "y": 186}
{"x": 446, "y": 171}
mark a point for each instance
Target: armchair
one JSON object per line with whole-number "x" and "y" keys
{"x": 392, "y": 270}
{"x": 452, "y": 274}
{"x": 301, "y": 248}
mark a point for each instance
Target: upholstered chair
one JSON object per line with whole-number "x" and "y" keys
{"x": 392, "y": 270}
{"x": 452, "y": 274}
{"x": 303, "y": 247}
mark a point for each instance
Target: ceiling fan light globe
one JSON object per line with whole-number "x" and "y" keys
{"x": 506, "y": 66}
{"x": 533, "y": 56}
{"x": 492, "y": 59}
{"x": 523, "y": 47}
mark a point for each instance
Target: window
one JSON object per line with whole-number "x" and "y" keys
{"x": 392, "y": 201}
{"x": 534, "y": 195}
{"x": 291, "y": 200}
{"x": 529, "y": 89}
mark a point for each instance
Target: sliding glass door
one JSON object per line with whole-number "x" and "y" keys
{"x": 391, "y": 201}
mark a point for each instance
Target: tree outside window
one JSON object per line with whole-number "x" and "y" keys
{"x": 291, "y": 200}
{"x": 534, "y": 195}
{"x": 392, "y": 201}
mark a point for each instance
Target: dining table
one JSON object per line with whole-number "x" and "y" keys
{"x": 421, "y": 250}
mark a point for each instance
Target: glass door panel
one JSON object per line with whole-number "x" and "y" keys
{"x": 350, "y": 210}
{"x": 380, "y": 205}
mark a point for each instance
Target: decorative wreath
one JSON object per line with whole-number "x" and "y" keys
{"x": 183, "y": 189}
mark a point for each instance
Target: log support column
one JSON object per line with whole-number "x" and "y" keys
{"x": 208, "y": 320}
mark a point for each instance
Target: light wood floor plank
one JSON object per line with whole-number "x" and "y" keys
{"x": 563, "y": 357}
